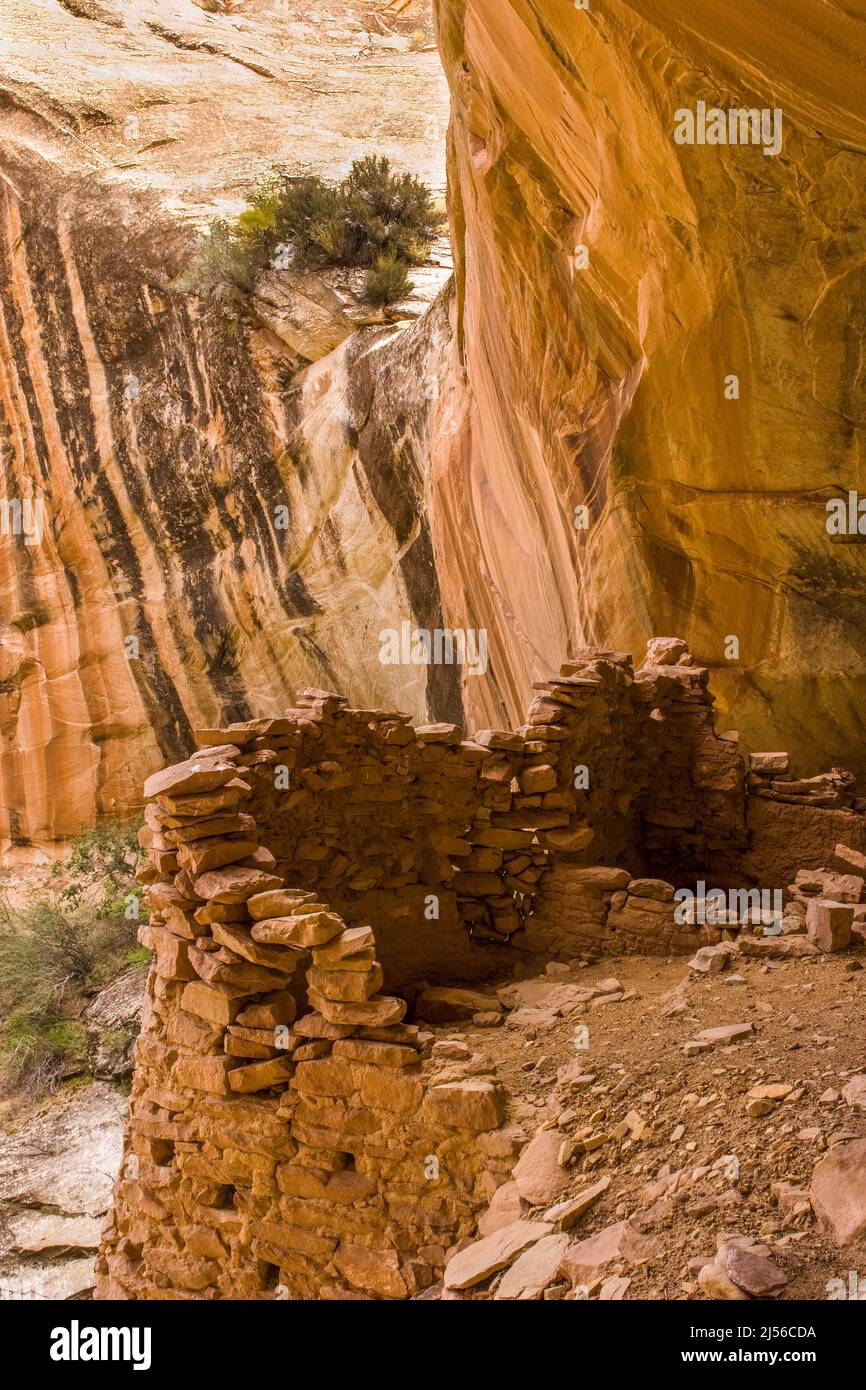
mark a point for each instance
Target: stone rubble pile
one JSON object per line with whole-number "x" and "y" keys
{"x": 830, "y": 789}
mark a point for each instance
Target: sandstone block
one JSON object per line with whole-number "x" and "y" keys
{"x": 829, "y": 924}
{"x": 217, "y": 1004}
{"x": 172, "y": 958}
{"x": 439, "y": 733}
{"x": 567, "y": 1213}
{"x": 239, "y": 939}
{"x": 838, "y": 1191}
{"x": 379, "y": 1054}
{"x": 310, "y": 930}
{"x": 485, "y": 1257}
{"x": 261, "y": 1075}
{"x": 538, "y": 1174}
{"x": 282, "y": 902}
{"x": 201, "y": 804}
{"x": 234, "y": 885}
{"x": 603, "y": 879}
{"x": 312, "y": 1025}
{"x": 355, "y": 941}
{"x": 348, "y": 986}
{"x": 474, "y": 1105}
{"x": 712, "y": 960}
{"x": 727, "y": 1033}
{"x": 380, "y": 1011}
{"x": 272, "y": 1239}
{"x": 537, "y": 779}
{"x": 494, "y": 838}
{"x": 852, "y": 859}
{"x": 202, "y": 1074}
{"x": 199, "y": 774}
{"x": 210, "y": 826}
{"x": 583, "y": 1263}
{"x": 327, "y": 1077}
{"x": 199, "y": 856}
{"x": 272, "y": 1011}
{"x": 651, "y": 888}
{"x": 376, "y": 1271}
{"x": 506, "y": 1207}
{"x": 383, "y": 1088}
{"x": 769, "y": 762}
{"x": 534, "y": 1270}
{"x": 239, "y": 974}
{"x": 476, "y": 885}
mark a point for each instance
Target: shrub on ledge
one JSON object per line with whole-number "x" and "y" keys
{"x": 375, "y": 217}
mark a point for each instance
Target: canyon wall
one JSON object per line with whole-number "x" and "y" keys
{"x": 217, "y": 525}
{"x": 237, "y": 502}
{"x": 216, "y": 528}
{"x": 609, "y": 281}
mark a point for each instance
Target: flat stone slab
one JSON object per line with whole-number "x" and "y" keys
{"x": 838, "y": 1191}
{"x": 538, "y": 1173}
{"x": 727, "y": 1033}
{"x": 485, "y": 1257}
{"x": 534, "y": 1270}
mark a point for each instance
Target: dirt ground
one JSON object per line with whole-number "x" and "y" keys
{"x": 808, "y": 1022}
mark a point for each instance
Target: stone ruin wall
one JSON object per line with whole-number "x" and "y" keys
{"x": 284, "y": 1115}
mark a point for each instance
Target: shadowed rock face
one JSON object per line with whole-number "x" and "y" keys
{"x": 605, "y": 386}
{"x": 217, "y": 530}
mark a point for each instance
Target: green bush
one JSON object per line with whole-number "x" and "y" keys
{"x": 101, "y": 867}
{"x": 225, "y": 262}
{"x": 36, "y": 1052}
{"x": 388, "y": 282}
{"x": 374, "y": 215}
{"x": 60, "y": 949}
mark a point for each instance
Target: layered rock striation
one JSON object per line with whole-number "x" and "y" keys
{"x": 630, "y": 417}
{"x": 611, "y": 284}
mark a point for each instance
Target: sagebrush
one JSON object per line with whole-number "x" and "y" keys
{"x": 61, "y": 949}
{"x": 376, "y": 218}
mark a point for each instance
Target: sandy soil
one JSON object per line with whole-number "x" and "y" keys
{"x": 807, "y": 1017}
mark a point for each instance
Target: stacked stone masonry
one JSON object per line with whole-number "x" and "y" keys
{"x": 290, "y": 1134}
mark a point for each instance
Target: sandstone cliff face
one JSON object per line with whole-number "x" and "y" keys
{"x": 218, "y": 529}
{"x": 604, "y": 386}
{"x": 169, "y": 588}
{"x": 608, "y": 282}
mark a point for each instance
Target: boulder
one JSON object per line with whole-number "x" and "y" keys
{"x": 838, "y": 1191}
{"x": 855, "y": 1093}
{"x": 712, "y": 960}
{"x": 829, "y": 924}
{"x": 583, "y": 1262}
{"x": 506, "y": 1207}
